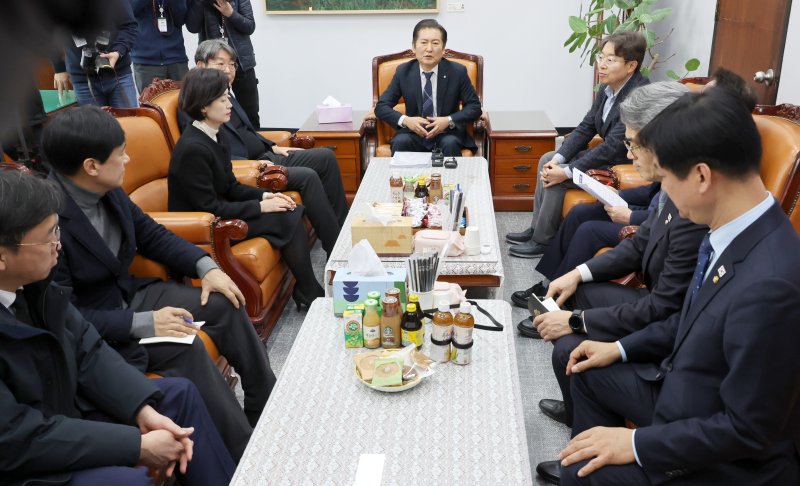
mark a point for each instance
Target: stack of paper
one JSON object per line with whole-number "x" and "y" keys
{"x": 410, "y": 160}
{"x": 603, "y": 193}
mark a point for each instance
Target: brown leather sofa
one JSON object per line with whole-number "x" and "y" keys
{"x": 377, "y": 133}
{"x": 253, "y": 264}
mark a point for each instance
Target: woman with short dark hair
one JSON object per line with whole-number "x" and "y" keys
{"x": 201, "y": 179}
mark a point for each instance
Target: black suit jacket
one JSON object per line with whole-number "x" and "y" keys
{"x": 101, "y": 282}
{"x": 729, "y": 407}
{"x": 612, "y": 150}
{"x": 455, "y": 97}
{"x": 664, "y": 250}
{"x": 55, "y": 372}
{"x": 638, "y": 199}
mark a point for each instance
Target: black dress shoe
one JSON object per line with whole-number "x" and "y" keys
{"x": 526, "y": 329}
{"x": 555, "y": 409}
{"x": 550, "y": 471}
{"x": 520, "y": 297}
{"x": 521, "y": 237}
{"x": 527, "y": 250}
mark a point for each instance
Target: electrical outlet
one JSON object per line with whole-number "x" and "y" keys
{"x": 455, "y": 7}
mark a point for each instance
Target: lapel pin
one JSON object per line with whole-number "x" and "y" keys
{"x": 715, "y": 279}
{"x": 721, "y": 271}
{"x": 669, "y": 218}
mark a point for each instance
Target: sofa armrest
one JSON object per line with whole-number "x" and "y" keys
{"x": 246, "y": 164}
{"x": 287, "y": 139}
{"x": 628, "y": 176}
{"x": 628, "y": 232}
{"x": 246, "y": 175}
{"x": 224, "y": 233}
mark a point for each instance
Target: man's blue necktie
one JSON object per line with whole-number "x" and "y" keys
{"x": 703, "y": 259}
{"x": 427, "y": 107}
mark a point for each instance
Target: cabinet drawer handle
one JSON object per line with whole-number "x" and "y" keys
{"x": 522, "y": 167}
{"x": 332, "y": 147}
{"x": 523, "y": 148}
{"x": 521, "y": 187}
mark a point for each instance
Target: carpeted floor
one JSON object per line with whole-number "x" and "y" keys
{"x": 545, "y": 436}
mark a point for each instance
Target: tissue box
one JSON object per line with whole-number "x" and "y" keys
{"x": 334, "y": 114}
{"x": 396, "y": 238}
{"x": 349, "y": 289}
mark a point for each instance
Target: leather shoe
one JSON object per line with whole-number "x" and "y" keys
{"x": 550, "y": 471}
{"x": 527, "y": 250}
{"x": 521, "y": 237}
{"x": 526, "y": 329}
{"x": 520, "y": 297}
{"x": 555, "y": 409}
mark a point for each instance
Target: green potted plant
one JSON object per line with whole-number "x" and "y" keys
{"x": 604, "y": 17}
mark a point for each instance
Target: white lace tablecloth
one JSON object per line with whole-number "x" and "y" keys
{"x": 472, "y": 173}
{"x": 461, "y": 426}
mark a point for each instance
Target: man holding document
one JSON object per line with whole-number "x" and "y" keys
{"x": 664, "y": 251}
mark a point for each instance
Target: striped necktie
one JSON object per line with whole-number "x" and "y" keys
{"x": 703, "y": 259}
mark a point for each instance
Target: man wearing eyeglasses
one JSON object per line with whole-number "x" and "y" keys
{"x": 71, "y": 410}
{"x": 618, "y": 65}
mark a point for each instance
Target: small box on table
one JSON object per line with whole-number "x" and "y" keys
{"x": 349, "y": 289}
{"x": 334, "y": 114}
{"x": 395, "y": 238}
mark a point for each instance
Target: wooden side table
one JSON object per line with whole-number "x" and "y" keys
{"x": 345, "y": 141}
{"x": 517, "y": 139}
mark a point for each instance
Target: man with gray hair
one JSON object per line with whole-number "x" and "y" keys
{"x": 664, "y": 251}
{"x": 246, "y": 143}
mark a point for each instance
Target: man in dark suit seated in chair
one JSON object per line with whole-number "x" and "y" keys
{"x": 102, "y": 230}
{"x": 71, "y": 410}
{"x": 664, "y": 250}
{"x": 713, "y": 389}
{"x": 618, "y": 65}
{"x": 433, "y": 88}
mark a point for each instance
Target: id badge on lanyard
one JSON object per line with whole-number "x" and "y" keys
{"x": 161, "y": 20}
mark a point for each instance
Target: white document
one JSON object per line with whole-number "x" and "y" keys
{"x": 603, "y": 193}
{"x": 370, "y": 470}
{"x": 168, "y": 339}
{"x": 410, "y": 160}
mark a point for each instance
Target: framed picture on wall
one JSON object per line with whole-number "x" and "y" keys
{"x": 351, "y": 6}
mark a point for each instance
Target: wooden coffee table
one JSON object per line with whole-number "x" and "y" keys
{"x": 468, "y": 271}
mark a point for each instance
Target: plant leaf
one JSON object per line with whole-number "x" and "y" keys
{"x": 672, "y": 74}
{"x": 577, "y": 24}
{"x": 650, "y": 35}
{"x": 645, "y": 71}
{"x": 660, "y": 14}
{"x": 570, "y": 39}
{"x": 692, "y": 64}
{"x": 611, "y": 24}
{"x": 645, "y": 18}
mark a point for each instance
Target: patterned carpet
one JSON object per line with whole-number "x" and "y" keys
{"x": 545, "y": 437}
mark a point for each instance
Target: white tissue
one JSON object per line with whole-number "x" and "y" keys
{"x": 364, "y": 261}
{"x": 332, "y": 102}
{"x": 368, "y": 212}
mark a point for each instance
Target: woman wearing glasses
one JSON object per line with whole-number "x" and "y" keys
{"x": 201, "y": 179}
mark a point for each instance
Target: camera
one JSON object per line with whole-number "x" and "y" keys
{"x": 91, "y": 62}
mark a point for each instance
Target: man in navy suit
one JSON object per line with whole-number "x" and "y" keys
{"x": 102, "y": 230}
{"x": 714, "y": 388}
{"x": 439, "y": 98}
{"x": 618, "y": 65}
{"x": 663, "y": 252}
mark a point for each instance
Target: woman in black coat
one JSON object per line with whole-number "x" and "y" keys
{"x": 201, "y": 179}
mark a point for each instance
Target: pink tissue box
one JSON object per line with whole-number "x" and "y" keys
{"x": 334, "y": 114}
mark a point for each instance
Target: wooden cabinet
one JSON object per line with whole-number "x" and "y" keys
{"x": 517, "y": 140}
{"x": 345, "y": 141}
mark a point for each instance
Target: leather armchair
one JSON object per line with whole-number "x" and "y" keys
{"x": 255, "y": 267}
{"x": 377, "y": 133}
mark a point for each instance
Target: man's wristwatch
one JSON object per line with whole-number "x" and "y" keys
{"x": 576, "y": 321}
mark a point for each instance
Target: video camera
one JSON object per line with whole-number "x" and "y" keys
{"x": 91, "y": 62}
